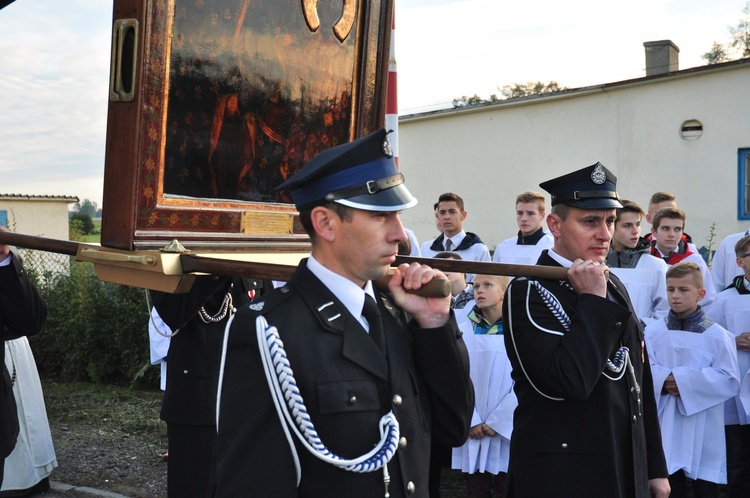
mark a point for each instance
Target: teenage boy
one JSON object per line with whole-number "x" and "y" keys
{"x": 469, "y": 246}
{"x": 694, "y": 366}
{"x": 526, "y": 247}
{"x": 644, "y": 277}
{"x": 484, "y": 456}
{"x": 667, "y": 228}
{"x": 732, "y": 311}
{"x": 661, "y": 200}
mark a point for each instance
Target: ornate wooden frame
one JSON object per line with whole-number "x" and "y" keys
{"x": 165, "y": 131}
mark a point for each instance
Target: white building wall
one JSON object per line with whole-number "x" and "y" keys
{"x": 489, "y": 155}
{"x": 41, "y": 218}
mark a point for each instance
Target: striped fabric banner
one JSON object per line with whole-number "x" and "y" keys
{"x": 391, "y": 104}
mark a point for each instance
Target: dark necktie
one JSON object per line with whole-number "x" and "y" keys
{"x": 448, "y": 245}
{"x": 371, "y": 312}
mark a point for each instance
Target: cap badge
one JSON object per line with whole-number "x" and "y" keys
{"x": 387, "y": 149}
{"x": 598, "y": 176}
{"x": 257, "y": 306}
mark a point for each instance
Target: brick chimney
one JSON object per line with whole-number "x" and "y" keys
{"x": 662, "y": 57}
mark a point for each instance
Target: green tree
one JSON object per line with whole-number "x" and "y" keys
{"x": 86, "y": 224}
{"x": 465, "y": 101}
{"x": 86, "y": 207}
{"x": 716, "y": 55}
{"x": 524, "y": 90}
{"x": 510, "y": 92}
{"x": 741, "y": 33}
{"x": 739, "y": 41}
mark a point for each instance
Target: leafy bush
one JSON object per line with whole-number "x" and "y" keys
{"x": 95, "y": 331}
{"x": 87, "y": 224}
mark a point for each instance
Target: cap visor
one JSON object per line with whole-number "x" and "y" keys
{"x": 393, "y": 199}
{"x": 595, "y": 204}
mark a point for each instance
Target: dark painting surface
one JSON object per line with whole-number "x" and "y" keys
{"x": 254, "y": 93}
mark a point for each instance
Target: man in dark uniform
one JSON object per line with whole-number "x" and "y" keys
{"x": 586, "y": 422}
{"x": 196, "y": 320}
{"x": 22, "y": 312}
{"x": 356, "y": 354}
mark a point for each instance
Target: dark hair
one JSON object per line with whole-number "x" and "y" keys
{"x": 561, "y": 210}
{"x": 451, "y": 197}
{"x": 344, "y": 213}
{"x": 742, "y": 245}
{"x": 447, "y": 255}
{"x": 671, "y": 213}
{"x": 628, "y": 207}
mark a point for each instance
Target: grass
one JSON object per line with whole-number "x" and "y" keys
{"x": 96, "y": 234}
{"x": 133, "y": 410}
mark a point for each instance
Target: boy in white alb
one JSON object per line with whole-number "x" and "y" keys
{"x": 525, "y": 248}
{"x": 484, "y": 456}
{"x": 731, "y": 310}
{"x": 694, "y": 367}
{"x": 454, "y": 239}
{"x": 667, "y": 229}
{"x": 628, "y": 258}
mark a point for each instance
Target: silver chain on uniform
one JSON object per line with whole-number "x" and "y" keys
{"x": 226, "y": 307}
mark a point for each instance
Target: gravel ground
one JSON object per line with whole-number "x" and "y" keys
{"x": 107, "y": 438}
{"x": 110, "y": 439}
{"x": 110, "y": 459}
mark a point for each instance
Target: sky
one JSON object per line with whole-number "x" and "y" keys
{"x": 54, "y": 66}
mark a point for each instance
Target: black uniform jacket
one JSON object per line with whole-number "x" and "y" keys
{"x": 193, "y": 357}
{"x": 579, "y": 429}
{"x": 22, "y": 312}
{"x": 347, "y": 385}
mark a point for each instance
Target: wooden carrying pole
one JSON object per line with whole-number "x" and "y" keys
{"x": 188, "y": 264}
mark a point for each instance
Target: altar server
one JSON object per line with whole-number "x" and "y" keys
{"x": 694, "y": 367}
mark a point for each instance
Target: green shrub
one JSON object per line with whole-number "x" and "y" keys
{"x": 87, "y": 223}
{"x": 95, "y": 331}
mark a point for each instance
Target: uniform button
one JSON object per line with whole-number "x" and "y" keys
{"x": 618, "y": 325}
{"x": 635, "y": 418}
{"x": 397, "y": 400}
{"x": 353, "y": 400}
{"x": 216, "y": 279}
{"x": 632, "y": 389}
{"x": 564, "y": 446}
{"x": 285, "y": 290}
{"x": 402, "y": 442}
{"x": 411, "y": 488}
{"x": 185, "y": 372}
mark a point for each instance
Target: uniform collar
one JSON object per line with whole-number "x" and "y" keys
{"x": 566, "y": 263}
{"x": 350, "y": 294}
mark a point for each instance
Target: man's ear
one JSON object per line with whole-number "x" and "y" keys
{"x": 553, "y": 223}
{"x": 324, "y": 222}
{"x": 463, "y": 215}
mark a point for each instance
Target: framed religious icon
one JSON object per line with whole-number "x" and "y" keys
{"x": 214, "y": 103}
